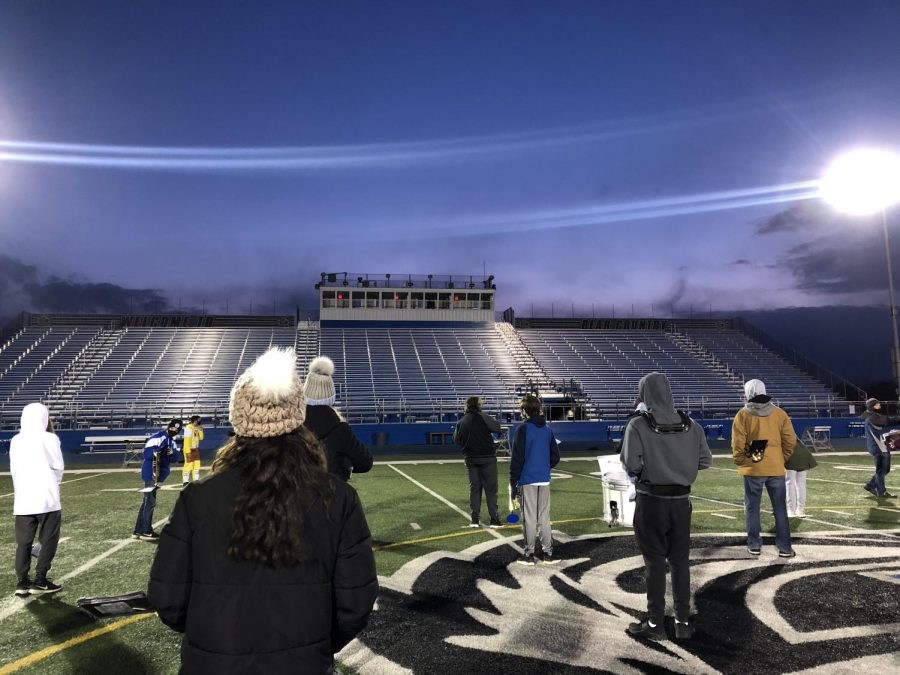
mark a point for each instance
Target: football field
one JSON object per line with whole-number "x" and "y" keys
{"x": 454, "y": 601}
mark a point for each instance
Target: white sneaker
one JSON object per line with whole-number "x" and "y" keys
{"x": 792, "y": 514}
{"x": 801, "y": 514}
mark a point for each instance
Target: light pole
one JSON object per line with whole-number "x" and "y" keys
{"x": 863, "y": 182}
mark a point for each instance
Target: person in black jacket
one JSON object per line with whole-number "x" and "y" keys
{"x": 474, "y": 434}
{"x": 346, "y": 455}
{"x": 875, "y": 421}
{"x": 266, "y": 565}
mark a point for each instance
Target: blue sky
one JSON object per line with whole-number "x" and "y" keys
{"x": 276, "y": 140}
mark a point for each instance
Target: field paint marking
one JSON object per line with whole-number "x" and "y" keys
{"x": 13, "y": 605}
{"x": 840, "y": 513}
{"x": 71, "y": 642}
{"x": 818, "y": 480}
{"x": 434, "y": 494}
{"x": 415, "y": 526}
{"x": 73, "y": 480}
{"x": 722, "y": 515}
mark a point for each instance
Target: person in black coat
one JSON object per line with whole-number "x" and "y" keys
{"x": 266, "y": 565}
{"x": 346, "y": 455}
{"x": 474, "y": 433}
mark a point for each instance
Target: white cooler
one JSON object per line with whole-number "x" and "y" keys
{"x": 618, "y": 490}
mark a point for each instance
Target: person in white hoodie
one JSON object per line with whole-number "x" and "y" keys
{"x": 36, "y": 464}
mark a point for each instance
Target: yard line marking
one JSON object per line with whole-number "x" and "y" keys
{"x": 74, "y": 480}
{"x": 71, "y": 642}
{"x": 13, "y": 605}
{"x": 722, "y": 515}
{"x": 434, "y": 494}
{"x": 415, "y": 526}
{"x": 840, "y": 513}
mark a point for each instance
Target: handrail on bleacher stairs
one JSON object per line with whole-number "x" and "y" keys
{"x": 838, "y": 384}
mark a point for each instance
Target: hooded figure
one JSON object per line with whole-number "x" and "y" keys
{"x": 875, "y": 422}
{"x": 36, "y": 464}
{"x": 266, "y": 564}
{"x": 761, "y": 420}
{"x": 664, "y": 450}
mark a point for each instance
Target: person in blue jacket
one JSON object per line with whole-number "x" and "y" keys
{"x": 158, "y": 452}
{"x": 534, "y": 453}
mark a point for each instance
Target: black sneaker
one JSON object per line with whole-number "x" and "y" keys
{"x": 44, "y": 587}
{"x": 887, "y": 495}
{"x": 495, "y": 523}
{"x": 548, "y": 558}
{"x": 643, "y": 629}
{"x": 787, "y": 554}
{"x": 684, "y": 631}
{"x": 754, "y": 551}
{"x": 146, "y": 536}
{"x": 22, "y": 588}
{"x": 526, "y": 559}
{"x": 870, "y": 490}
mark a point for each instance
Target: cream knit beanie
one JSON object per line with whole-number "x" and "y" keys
{"x": 267, "y": 400}
{"x": 319, "y": 386}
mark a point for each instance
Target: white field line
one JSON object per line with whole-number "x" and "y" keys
{"x": 808, "y": 478}
{"x": 840, "y": 513}
{"x": 415, "y": 526}
{"x": 74, "y": 480}
{"x": 13, "y": 605}
{"x": 453, "y": 506}
{"x": 722, "y": 515}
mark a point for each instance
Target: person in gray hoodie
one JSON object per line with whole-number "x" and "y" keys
{"x": 875, "y": 422}
{"x": 663, "y": 449}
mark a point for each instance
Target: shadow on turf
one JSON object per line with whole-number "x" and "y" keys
{"x": 62, "y": 622}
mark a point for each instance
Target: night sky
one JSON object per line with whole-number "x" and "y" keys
{"x": 655, "y": 154}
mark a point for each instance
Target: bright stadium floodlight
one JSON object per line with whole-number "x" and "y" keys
{"x": 864, "y": 182}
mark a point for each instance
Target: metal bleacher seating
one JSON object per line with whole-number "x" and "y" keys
{"x": 418, "y": 373}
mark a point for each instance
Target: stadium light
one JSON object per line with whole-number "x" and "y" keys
{"x": 863, "y": 182}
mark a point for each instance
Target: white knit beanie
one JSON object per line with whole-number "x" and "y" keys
{"x": 754, "y": 388}
{"x": 319, "y": 386}
{"x": 267, "y": 400}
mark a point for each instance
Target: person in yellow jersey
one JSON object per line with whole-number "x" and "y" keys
{"x": 193, "y": 434}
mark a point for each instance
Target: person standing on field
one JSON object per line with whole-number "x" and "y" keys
{"x": 36, "y": 465}
{"x": 474, "y": 433}
{"x": 193, "y": 434}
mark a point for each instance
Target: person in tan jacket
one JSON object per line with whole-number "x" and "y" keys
{"x": 760, "y": 419}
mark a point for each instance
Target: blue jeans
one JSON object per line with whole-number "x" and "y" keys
{"x": 753, "y": 486}
{"x": 882, "y": 469}
{"x": 144, "y": 522}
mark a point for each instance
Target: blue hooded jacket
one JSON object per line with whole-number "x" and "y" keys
{"x": 534, "y": 453}
{"x": 164, "y": 447}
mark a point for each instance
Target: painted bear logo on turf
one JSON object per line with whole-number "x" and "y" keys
{"x": 480, "y": 611}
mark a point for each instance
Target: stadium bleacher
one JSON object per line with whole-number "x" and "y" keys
{"x": 107, "y": 374}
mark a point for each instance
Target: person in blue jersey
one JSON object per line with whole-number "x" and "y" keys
{"x": 534, "y": 453}
{"x": 158, "y": 452}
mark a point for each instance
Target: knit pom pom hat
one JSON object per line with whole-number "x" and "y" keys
{"x": 267, "y": 400}
{"x": 319, "y": 386}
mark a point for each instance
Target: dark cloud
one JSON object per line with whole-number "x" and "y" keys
{"x": 837, "y": 265}
{"x": 800, "y": 217}
{"x": 741, "y": 261}
{"x": 25, "y": 288}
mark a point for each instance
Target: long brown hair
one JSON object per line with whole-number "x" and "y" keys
{"x": 280, "y": 478}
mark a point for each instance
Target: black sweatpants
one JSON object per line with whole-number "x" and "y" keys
{"x": 662, "y": 528}
{"x": 483, "y": 475}
{"x": 26, "y": 528}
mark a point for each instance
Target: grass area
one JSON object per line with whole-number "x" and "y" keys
{"x": 97, "y": 557}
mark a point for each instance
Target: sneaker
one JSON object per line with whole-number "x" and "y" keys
{"x": 787, "y": 554}
{"x": 754, "y": 551}
{"x": 792, "y": 514}
{"x": 683, "y": 631}
{"x": 526, "y": 559}
{"x": 643, "y": 629}
{"x": 22, "y": 588}
{"x": 801, "y": 514}
{"x": 887, "y": 495}
{"x": 548, "y": 558}
{"x": 495, "y": 524}
{"x": 870, "y": 490}
{"x": 473, "y": 525}
{"x": 146, "y": 536}
{"x": 44, "y": 587}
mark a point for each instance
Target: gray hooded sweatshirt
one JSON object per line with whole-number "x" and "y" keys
{"x": 665, "y": 464}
